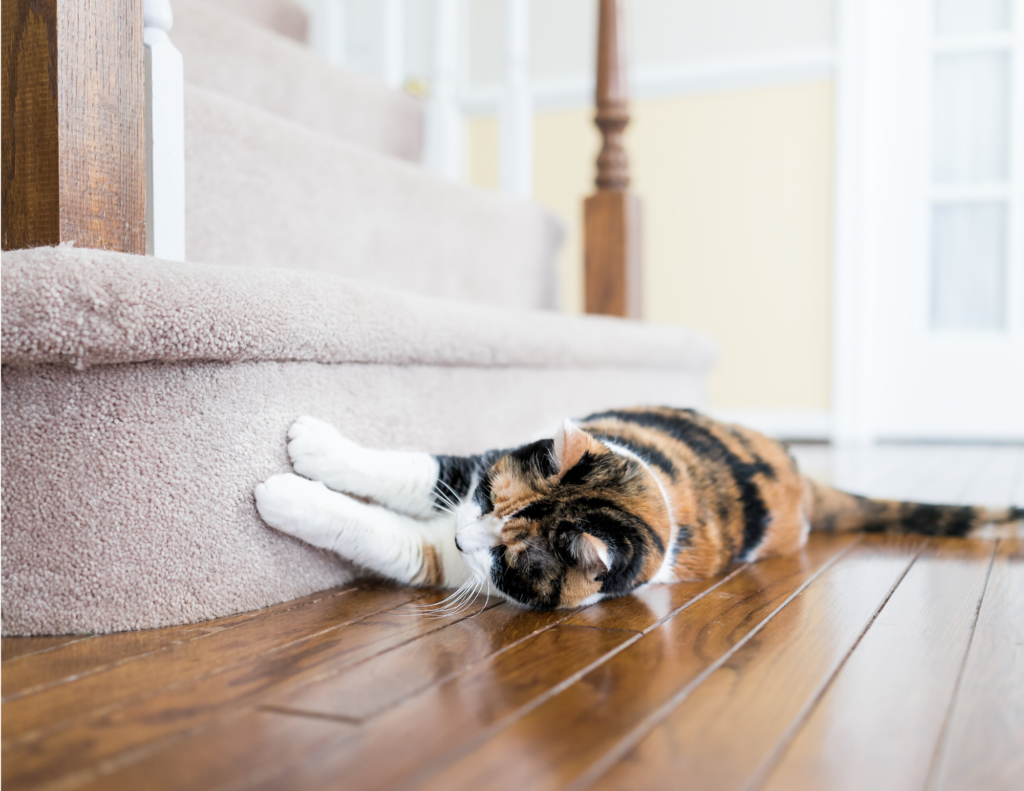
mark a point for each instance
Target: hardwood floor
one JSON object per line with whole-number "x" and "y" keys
{"x": 864, "y": 662}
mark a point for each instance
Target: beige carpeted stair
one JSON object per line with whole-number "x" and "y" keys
{"x": 239, "y": 58}
{"x": 144, "y": 399}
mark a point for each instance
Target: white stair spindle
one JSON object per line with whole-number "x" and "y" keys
{"x": 326, "y": 34}
{"x": 443, "y": 148}
{"x": 394, "y": 63}
{"x": 165, "y": 135}
{"x": 516, "y": 118}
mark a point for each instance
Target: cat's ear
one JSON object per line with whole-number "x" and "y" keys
{"x": 592, "y": 554}
{"x": 570, "y": 445}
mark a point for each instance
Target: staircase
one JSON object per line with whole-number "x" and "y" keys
{"x": 328, "y": 274}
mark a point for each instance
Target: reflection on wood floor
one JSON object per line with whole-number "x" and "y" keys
{"x": 864, "y": 662}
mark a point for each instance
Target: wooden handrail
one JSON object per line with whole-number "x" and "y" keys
{"x": 73, "y": 99}
{"x": 612, "y": 215}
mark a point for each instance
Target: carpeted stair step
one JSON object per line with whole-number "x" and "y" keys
{"x": 143, "y": 400}
{"x": 262, "y": 191}
{"x": 237, "y": 57}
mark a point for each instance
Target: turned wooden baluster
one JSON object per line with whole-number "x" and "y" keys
{"x": 612, "y": 214}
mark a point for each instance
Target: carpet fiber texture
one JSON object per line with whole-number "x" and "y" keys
{"x": 143, "y": 400}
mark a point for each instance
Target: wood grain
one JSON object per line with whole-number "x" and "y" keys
{"x": 646, "y": 608}
{"x": 29, "y": 139}
{"x": 30, "y": 715}
{"x": 71, "y": 658}
{"x": 720, "y": 735}
{"x": 365, "y": 690}
{"x": 403, "y": 743}
{"x": 856, "y": 737}
{"x": 559, "y": 740}
{"x": 14, "y": 647}
{"x": 73, "y": 124}
{"x": 229, "y": 753}
{"x": 983, "y": 741}
{"x": 130, "y": 732}
{"x": 612, "y": 255}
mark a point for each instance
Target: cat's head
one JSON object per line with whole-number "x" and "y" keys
{"x": 562, "y": 520}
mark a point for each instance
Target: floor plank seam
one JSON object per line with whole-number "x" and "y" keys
{"x": 932, "y": 778}
{"x": 695, "y": 599}
{"x": 424, "y": 774}
{"x": 105, "y": 711}
{"x": 178, "y": 642}
{"x": 591, "y": 775}
{"x": 316, "y": 715}
{"x": 761, "y": 774}
{"x": 463, "y": 670}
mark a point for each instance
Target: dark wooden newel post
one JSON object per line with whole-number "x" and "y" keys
{"x": 611, "y": 216}
{"x": 73, "y": 124}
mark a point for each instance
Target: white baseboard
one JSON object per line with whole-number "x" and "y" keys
{"x": 785, "y": 424}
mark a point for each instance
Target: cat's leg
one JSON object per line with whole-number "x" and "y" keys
{"x": 400, "y": 480}
{"x": 396, "y": 546}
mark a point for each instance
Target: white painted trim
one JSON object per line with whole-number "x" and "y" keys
{"x": 165, "y": 135}
{"x": 851, "y": 275}
{"x": 392, "y": 42}
{"x": 676, "y": 79}
{"x": 326, "y": 35}
{"x": 516, "y": 114}
{"x": 784, "y": 424}
{"x": 442, "y": 147}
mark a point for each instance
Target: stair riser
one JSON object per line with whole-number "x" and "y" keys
{"x": 127, "y": 498}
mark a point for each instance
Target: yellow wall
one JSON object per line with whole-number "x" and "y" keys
{"x": 737, "y": 192}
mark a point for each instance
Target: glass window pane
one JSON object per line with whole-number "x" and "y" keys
{"x": 959, "y": 17}
{"x": 969, "y": 266}
{"x": 971, "y": 117}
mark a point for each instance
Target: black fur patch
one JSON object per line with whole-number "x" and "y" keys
{"x": 648, "y": 453}
{"x": 705, "y": 444}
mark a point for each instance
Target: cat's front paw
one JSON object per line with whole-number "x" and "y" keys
{"x": 318, "y": 451}
{"x": 287, "y": 502}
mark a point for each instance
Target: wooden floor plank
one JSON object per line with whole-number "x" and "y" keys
{"x": 647, "y": 607}
{"x": 404, "y": 741}
{"x": 984, "y": 739}
{"x": 152, "y": 723}
{"x": 558, "y": 741}
{"x": 722, "y": 732}
{"x": 77, "y": 658}
{"x": 15, "y": 647}
{"x": 856, "y": 737}
{"x": 364, "y": 690}
{"x": 232, "y": 751}
{"x": 54, "y": 707}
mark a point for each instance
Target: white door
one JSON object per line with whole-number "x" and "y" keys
{"x": 937, "y": 345}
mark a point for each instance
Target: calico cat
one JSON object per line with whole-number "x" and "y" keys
{"x": 615, "y": 501}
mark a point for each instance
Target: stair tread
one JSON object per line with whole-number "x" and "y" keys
{"x": 88, "y": 307}
{"x": 235, "y": 56}
{"x": 261, "y": 191}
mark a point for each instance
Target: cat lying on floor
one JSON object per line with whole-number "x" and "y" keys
{"x": 612, "y": 502}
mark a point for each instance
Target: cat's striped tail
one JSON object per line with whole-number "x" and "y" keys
{"x": 830, "y": 510}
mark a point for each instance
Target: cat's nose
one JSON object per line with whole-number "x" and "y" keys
{"x": 458, "y": 546}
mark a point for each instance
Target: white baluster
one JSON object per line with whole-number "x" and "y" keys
{"x": 443, "y": 145}
{"x": 394, "y": 62}
{"x": 516, "y": 117}
{"x": 327, "y": 29}
{"x": 165, "y": 135}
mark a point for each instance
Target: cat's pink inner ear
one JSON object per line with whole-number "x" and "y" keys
{"x": 570, "y": 445}
{"x": 593, "y": 553}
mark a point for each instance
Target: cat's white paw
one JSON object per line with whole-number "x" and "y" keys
{"x": 318, "y": 451}
{"x": 289, "y": 503}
